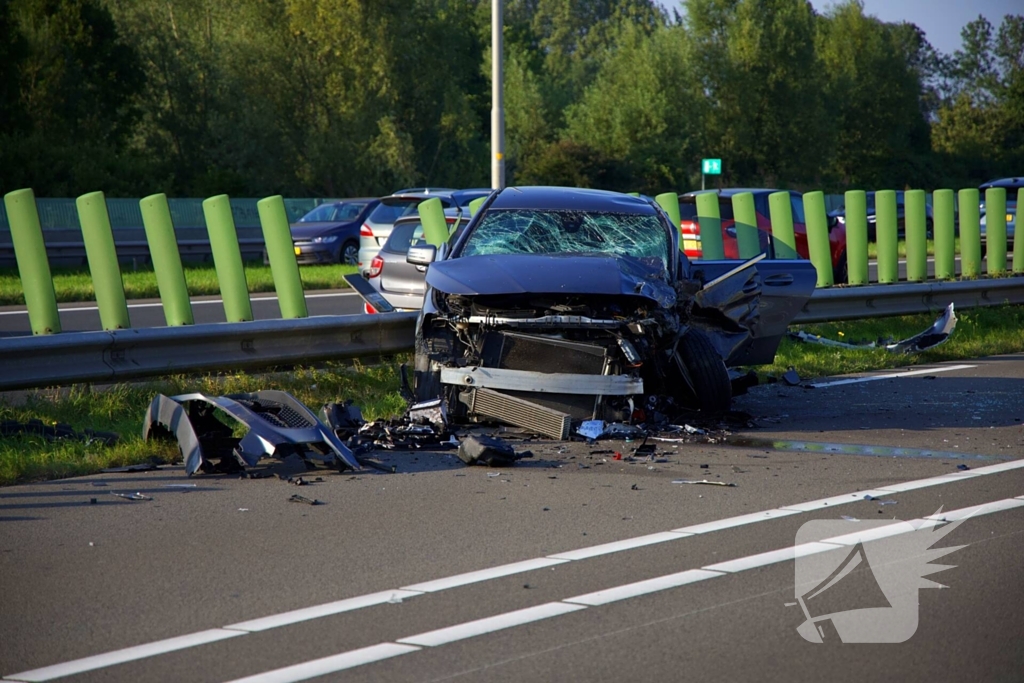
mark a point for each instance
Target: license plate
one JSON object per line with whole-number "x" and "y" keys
{"x": 298, "y": 251}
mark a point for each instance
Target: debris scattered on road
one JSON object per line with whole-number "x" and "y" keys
{"x": 296, "y": 498}
{"x": 702, "y": 481}
{"x": 488, "y": 451}
{"x": 791, "y": 377}
{"x": 128, "y": 469}
{"x": 130, "y": 496}
{"x": 962, "y": 467}
{"x": 880, "y": 501}
{"x": 848, "y": 518}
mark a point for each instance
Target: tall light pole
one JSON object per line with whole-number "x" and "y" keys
{"x": 497, "y": 99}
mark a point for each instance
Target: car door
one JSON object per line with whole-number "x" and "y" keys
{"x": 780, "y": 288}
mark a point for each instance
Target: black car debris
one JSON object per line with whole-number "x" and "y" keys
{"x": 556, "y": 305}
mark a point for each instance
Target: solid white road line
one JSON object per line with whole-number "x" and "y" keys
{"x": 483, "y": 575}
{"x": 443, "y": 636}
{"x": 892, "y": 375}
{"x": 332, "y": 664}
{"x": 317, "y": 611}
{"x": 632, "y": 590}
{"x": 128, "y": 654}
{"x": 314, "y": 612}
{"x": 550, "y": 610}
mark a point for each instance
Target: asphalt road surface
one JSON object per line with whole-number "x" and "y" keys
{"x": 84, "y": 317}
{"x": 572, "y": 565}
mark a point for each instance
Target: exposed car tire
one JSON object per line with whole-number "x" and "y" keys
{"x": 349, "y": 253}
{"x": 706, "y": 370}
{"x": 841, "y": 272}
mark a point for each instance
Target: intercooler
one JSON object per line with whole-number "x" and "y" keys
{"x": 537, "y": 418}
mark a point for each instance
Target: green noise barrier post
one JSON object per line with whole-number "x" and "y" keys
{"x": 33, "y": 266}
{"x": 995, "y": 230}
{"x": 783, "y": 236}
{"x": 163, "y": 249}
{"x": 916, "y": 220}
{"x": 817, "y": 236}
{"x": 475, "y": 205}
{"x": 747, "y": 241}
{"x": 886, "y": 237}
{"x": 669, "y": 201}
{"x": 1018, "y": 245}
{"x": 710, "y": 221}
{"x": 227, "y": 258}
{"x": 944, "y": 228}
{"x": 970, "y": 233}
{"x": 102, "y": 257}
{"x": 277, "y": 236}
{"x": 856, "y": 221}
{"x": 435, "y": 228}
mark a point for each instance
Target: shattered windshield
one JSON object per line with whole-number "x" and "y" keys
{"x": 528, "y": 231}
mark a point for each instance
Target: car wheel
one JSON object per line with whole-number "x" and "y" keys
{"x": 349, "y": 254}
{"x": 700, "y": 362}
{"x": 841, "y": 271}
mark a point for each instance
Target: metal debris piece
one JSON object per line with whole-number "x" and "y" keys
{"x": 278, "y": 425}
{"x": 296, "y": 498}
{"x": 591, "y": 429}
{"x": 702, "y": 481}
{"x": 791, "y": 377}
{"x": 935, "y": 335}
{"x": 130, "y": 496}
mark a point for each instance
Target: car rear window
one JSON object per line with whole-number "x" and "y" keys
{"x": 346, "y": 211}
{"x": 688, "y": 209}
{"x": 402, "y": 237}
{"x": 391, "y": 209}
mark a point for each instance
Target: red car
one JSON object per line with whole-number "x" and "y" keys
{"x": 690, "y": 229}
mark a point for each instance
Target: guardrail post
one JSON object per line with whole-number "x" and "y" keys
{"x": 995, "y": 230}
{"x": 103, "y": 265}
{"x": 944, "y": 227}
{"x": 886, "y": 237}
{"x": 435, "y": 228}
{"x": 856, "y": 221}
{"x": 817, "y": 236}
{"x": 227, "y": 258}
{"x": 970, "y": 233}
{"x": 783, "y": 236}
{"x": 33, "y": 266}
{"x": 281, "y": 252}
{"x": 475, "y": 205}
{"x": 747, "y": 239}
{"x": 1018, "y": 244}
{"x": 163, "y": 249}
{"x": 709, "y": 219}
{"x": 669, "y": 201}
{"x": 916, "y": 222}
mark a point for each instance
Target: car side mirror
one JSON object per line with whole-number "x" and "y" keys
{"x": 422, "y": 255}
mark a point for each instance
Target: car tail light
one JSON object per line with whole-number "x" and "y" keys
{"x": 376, "y": 265}
{"x": 368, "y": 309}
{"x": 690, "y": 231}
{"x": 365, "y": 231}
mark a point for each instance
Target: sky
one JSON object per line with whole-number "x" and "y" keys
{"x": 941, "y": 20}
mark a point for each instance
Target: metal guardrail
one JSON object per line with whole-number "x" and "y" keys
{"x": 878, "y": 301}
{"x": 128, "y": 251}
{"x": 105, "y": 357}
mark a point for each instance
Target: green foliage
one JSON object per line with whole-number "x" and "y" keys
{"x": 358, "y": 97}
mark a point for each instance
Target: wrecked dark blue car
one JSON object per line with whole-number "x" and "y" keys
{"x": 559, "y": 304}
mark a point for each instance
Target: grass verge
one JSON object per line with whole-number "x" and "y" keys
{"x": 120, "y": 408}
{"x": 75, "y": 284}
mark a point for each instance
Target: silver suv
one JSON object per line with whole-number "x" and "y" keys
{"x": 377, "y": 226}
{"x": 402, "y": 283}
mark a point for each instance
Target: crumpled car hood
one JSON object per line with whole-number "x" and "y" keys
{"x": 550, "y": 274}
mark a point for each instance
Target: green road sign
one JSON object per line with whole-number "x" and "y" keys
{"x": 711, "y": 166}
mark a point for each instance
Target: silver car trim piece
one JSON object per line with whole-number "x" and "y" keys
{"x": 542, "y": 382}
{"x": 543, "y": 321}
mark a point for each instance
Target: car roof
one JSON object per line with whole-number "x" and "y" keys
{"x": 424, "y": 190}
{"x": 568, "y": 199}
{"x": 730, "y": 191}
{"x": 1010, "y": 183}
